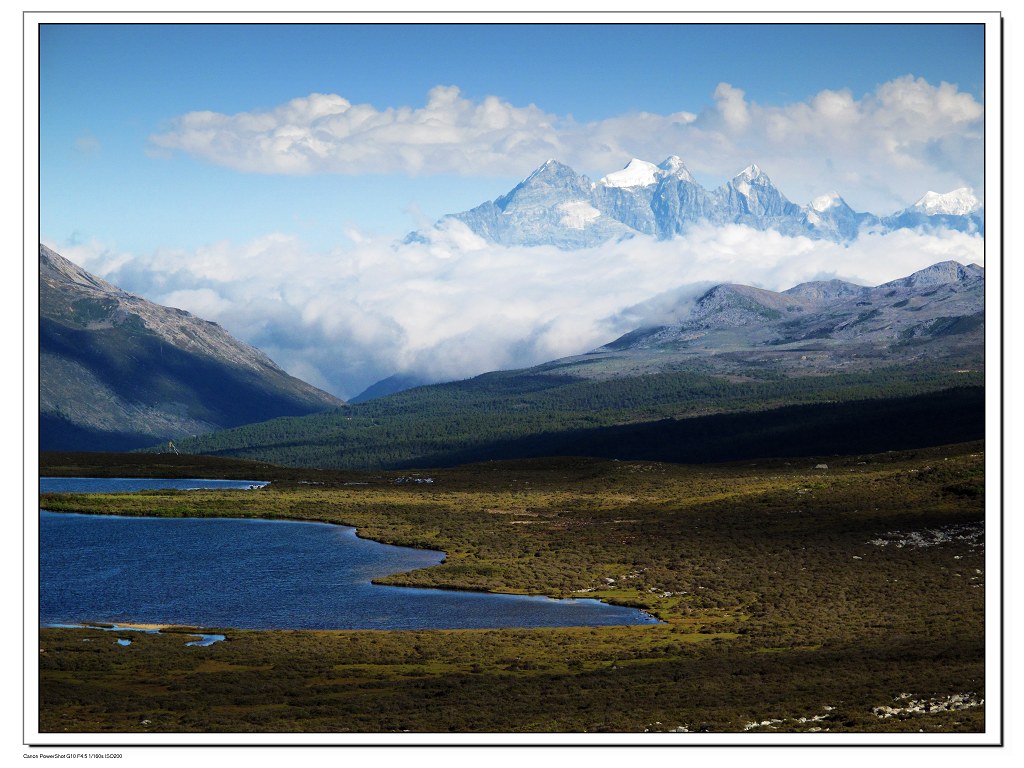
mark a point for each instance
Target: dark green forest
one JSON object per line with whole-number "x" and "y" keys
{"x": 678, "y": 416}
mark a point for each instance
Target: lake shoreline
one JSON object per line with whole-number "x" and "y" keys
{"x": 644, "y": 617}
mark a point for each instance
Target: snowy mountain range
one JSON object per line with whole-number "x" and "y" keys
{"x": 557, "y": 206}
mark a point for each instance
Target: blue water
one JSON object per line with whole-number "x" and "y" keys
{"x": 206, "y": 640}
{"x": 263, "y": 574}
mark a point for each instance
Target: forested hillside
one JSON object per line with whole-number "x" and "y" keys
{"x": 669, "y": 416}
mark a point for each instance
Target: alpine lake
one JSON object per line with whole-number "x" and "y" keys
{"x": 258, "y": 574}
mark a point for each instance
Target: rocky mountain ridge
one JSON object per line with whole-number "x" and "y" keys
{"x": 117, "y": 371}
{"x": 557, "y": 206}
{"x": 935, "y": 314}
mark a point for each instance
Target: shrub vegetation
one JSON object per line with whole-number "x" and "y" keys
{"x": 789, "y": 593}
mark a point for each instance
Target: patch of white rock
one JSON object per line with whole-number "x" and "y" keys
{"x": 907, "y": 705}
{"x": 967, "y": 533}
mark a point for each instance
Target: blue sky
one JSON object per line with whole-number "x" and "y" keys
{"x": 107, "y": 89}
{"x": 259, "y": 175}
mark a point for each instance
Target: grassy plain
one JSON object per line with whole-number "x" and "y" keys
{"x": 793, "y": 598}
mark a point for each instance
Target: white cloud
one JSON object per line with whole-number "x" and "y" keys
{"x": 881, "y": 151}
{"x": 325, "y": 133}
{"x": 456, "y": 307}
{"x": 731, "y": 105}
{"x": 87, "y": 145}
{"x": 204, "y": 302}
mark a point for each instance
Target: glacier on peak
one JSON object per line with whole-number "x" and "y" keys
{"x": 641, "y": 173}
{"x": 637, "y": 173}
{"x": 959, "y": 202}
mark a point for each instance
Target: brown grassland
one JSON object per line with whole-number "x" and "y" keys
{"x": 793, "y": 598}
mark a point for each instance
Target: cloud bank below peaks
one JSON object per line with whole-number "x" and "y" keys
{"x": 882, "y": 149}
{"x": 456, "y": 307}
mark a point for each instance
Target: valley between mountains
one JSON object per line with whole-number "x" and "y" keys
{"x": 744, "y": 373}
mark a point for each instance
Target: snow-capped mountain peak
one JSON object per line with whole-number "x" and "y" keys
{"x": 823, "y": 202}
{"x": 548, "y": 166}
{"x": 674, "y": 168}
{"x": 555, "y": 205}
{"x": 637, "y": 173}
{"x": 959, "y": 202}
{"x": 749, "y": 173}
{"x": 752, "y": 173}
